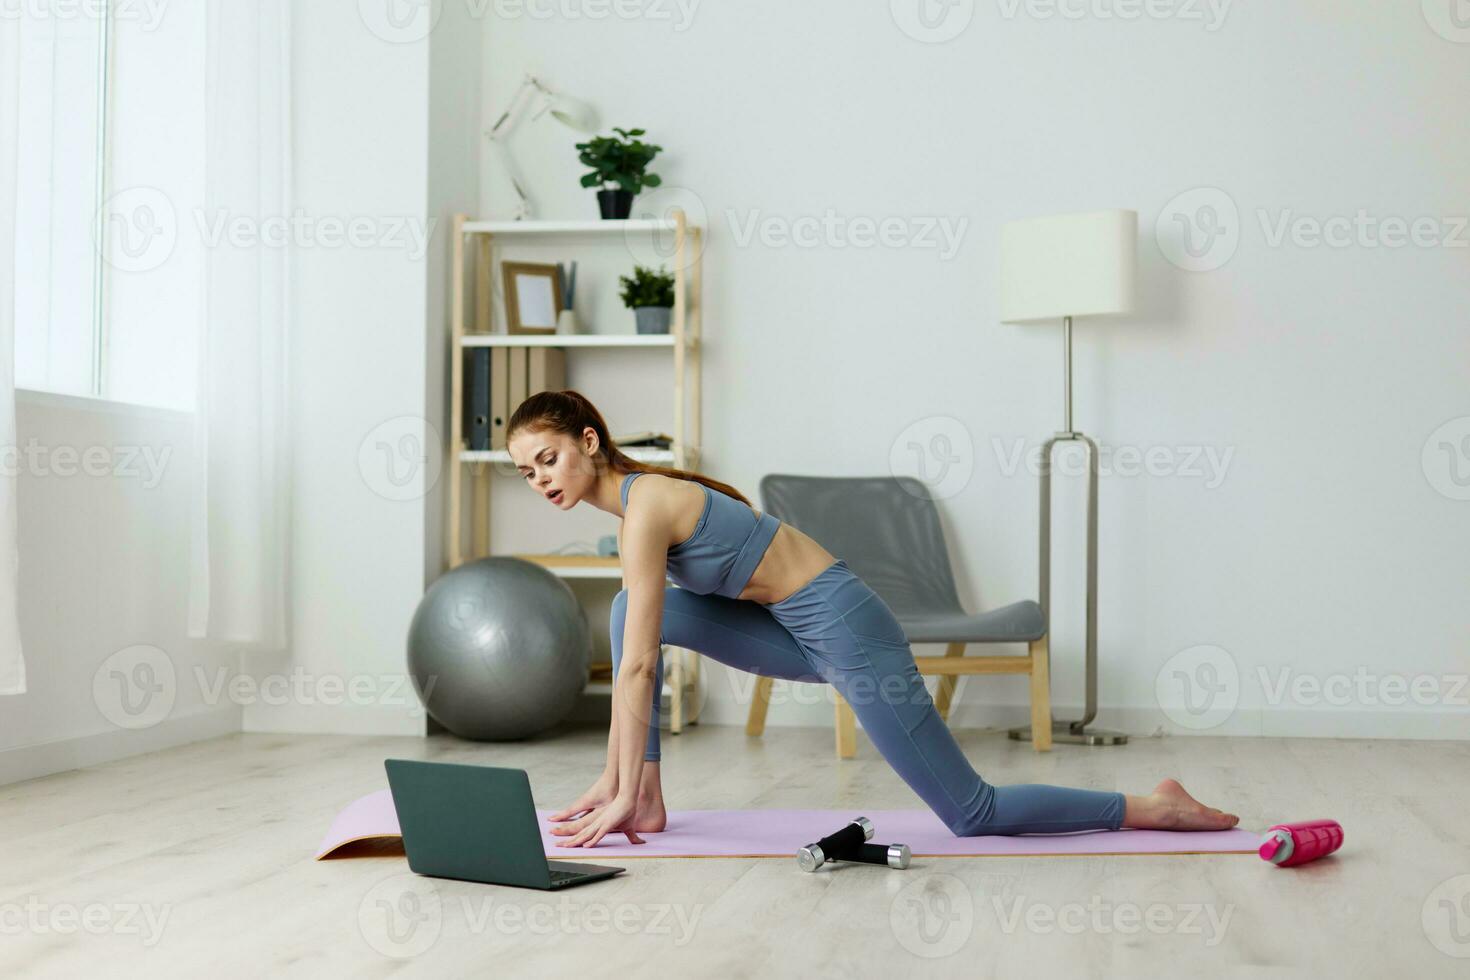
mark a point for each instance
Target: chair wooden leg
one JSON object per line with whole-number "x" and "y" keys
{"x": 760, "y": 701}
{"x": 1040, "y": 695}
{"x": 947, "y": 683}
{"x": 846, "y": 723}
{"x": 674, "y": 677}
{"x": 693, "y": 716}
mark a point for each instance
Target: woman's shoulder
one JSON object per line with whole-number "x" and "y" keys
{"x": 652, "y": 486}
{"x": 660, "y": 497}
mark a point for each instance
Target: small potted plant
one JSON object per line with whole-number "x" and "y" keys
{"x": 619, "y": 169}
{"x": 650, "y": 295}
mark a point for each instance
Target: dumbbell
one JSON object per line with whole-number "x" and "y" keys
{"x": 893, "y": 855}
{"x": 834, "y": 846}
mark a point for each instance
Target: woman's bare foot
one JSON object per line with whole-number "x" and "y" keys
{"x": 650, "y": 817}
{"x": 1169, "y": 807}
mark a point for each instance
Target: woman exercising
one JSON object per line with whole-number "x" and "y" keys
{"x": 761, "y": 596}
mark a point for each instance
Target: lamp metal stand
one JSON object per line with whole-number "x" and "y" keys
{"x": 1072, "y": 732}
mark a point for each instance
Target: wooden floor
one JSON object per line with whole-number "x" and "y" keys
{"x": 197, "y": 862}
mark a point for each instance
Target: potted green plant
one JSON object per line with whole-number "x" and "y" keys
{"x": 619, "y": 168}
{"x": 650, "y": 295}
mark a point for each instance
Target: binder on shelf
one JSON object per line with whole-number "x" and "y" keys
{"x": 477, "y": 411}
{"x": 517, "y": 389}
{"x": 500, "y": 406}
{"x": 546, "y": 370}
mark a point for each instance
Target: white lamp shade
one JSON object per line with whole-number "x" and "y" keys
{"x": 1068, "y": 265}
{"x": 574, "y": 113}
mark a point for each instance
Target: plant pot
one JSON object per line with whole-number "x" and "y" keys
{"x": 615, "y": 204}
{"x": 653, "y": 319}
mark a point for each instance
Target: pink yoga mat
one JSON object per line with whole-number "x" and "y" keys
{"x": 778, "y": 833}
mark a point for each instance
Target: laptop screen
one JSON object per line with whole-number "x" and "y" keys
{"x": 474, "y": 823}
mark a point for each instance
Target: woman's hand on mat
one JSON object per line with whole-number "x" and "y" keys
{"x": 599, "y": 794}
{"x": 614, "y": 817}
{"x": 649, "y": 817}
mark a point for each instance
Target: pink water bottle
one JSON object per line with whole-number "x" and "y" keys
{"x": 1290, "y": 844}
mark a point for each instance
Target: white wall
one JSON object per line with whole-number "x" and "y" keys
{"x": 104, "y": 588}
{"x": 455, "y": 67}
{"x": 1324, "y": 550}
{"x": 357, "y": 360}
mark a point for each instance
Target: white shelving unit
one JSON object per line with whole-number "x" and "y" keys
{"x": 664, "y": 457}
{"x": 569, "y": 340}
{"x": 681, "y": 667}
{"x": 604, "y": 227}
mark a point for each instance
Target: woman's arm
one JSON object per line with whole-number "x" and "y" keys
{"x": 645, "y": 568}
{"x": 611, "y": 772}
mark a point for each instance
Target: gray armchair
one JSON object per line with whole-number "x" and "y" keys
{"x": 887, "y": 530}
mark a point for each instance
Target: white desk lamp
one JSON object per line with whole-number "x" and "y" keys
{"x": 1065, "y": 266}
{"x": 572, "y": 113}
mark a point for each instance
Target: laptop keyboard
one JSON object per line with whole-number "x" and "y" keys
{"x": 564, "y": 875}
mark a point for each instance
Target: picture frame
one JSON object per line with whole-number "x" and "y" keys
{"x": 533, "y": 297}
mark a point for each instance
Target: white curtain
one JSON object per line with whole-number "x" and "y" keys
{"x": 241, "y": 507}
{"x": 12, "y": 664}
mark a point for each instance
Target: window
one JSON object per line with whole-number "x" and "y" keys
{"x": 109, "y": 265}
{"x": 59, "y": 172}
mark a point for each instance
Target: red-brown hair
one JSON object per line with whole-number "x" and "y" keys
{"x": 570, "y": 413}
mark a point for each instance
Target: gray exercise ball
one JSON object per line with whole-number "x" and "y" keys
{"x": 499, "y": 649}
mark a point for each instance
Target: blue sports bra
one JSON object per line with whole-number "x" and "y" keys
{"x": 726, "y": 546}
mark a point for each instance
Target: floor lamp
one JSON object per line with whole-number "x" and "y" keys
{"x": 1059, "y": 267}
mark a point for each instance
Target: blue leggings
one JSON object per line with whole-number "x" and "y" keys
{"x": 837, "y": 630}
